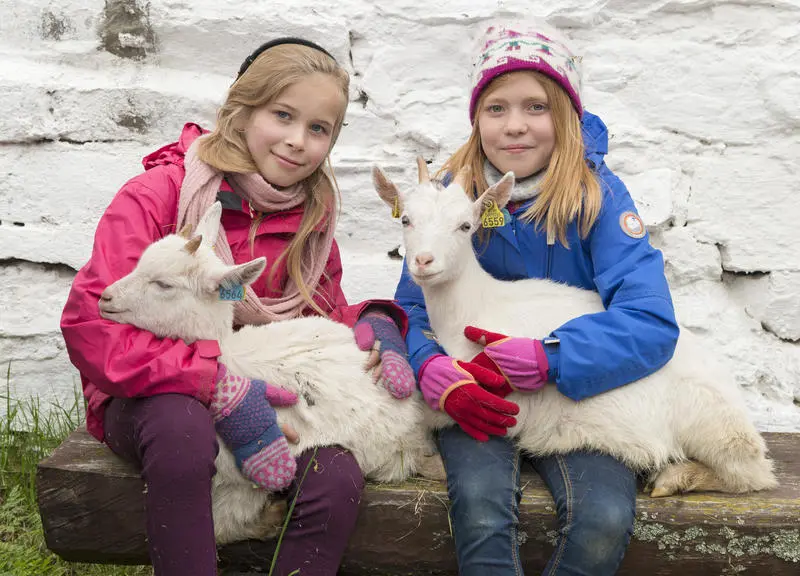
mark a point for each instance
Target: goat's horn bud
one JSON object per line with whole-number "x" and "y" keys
{"x": 186, "y": 231}
{"x": 422, "y": 168}
{"x": 193, "y": 244}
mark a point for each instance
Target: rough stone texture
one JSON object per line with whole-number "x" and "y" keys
{"x": 699, "y": 97}
{"x": 779, "y": 314}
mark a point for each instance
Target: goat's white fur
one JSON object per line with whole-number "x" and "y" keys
{"x": 689, "y": 410}
{"x": 174, "y": 292}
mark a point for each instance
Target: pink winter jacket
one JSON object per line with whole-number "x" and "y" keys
{"x": 119, "y": 360}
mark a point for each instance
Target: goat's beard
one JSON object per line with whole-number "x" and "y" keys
{"x": 426, "y": 279}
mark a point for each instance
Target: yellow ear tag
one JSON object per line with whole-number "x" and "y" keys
{"x": 492, "y": 216}
{"x": 396, "y": 208}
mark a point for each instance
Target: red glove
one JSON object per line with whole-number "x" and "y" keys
{"x": 521, "y": 361}
{"x": 482, "y": 360}
{"x": 467, "y": 393}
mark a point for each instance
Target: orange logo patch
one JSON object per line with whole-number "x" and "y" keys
{"x": 632, "y": 225}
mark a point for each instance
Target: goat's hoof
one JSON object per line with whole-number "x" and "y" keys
{"x": 274, "y": 515}
{"x": 432, "y": 468}
{"x": 661, "y": 492}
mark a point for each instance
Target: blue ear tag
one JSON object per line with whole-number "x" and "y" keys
{"x": 234, "y": 293}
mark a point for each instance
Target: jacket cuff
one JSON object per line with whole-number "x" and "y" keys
{"x": 423, "y": 356}
{"x": 425, "y": 364}
{"x": 208, "y": 348}
{"x": 391, "y": 309}
{"x": 209, "y": 351}
{"x": 552, "y": 354}
{"x": 542, "y": 362}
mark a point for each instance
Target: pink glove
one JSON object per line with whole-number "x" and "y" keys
{"x": 521, "y": 361}
{"x": 468, "y": 394}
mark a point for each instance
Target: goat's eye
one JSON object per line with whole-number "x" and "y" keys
{"x": 405, "y": 221}
{"x": 465, "y": 227}
{"x": 163, "y": 285}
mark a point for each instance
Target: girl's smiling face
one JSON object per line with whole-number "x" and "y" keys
{"x": 515, "y": 124}
{"x": 290, "y": 137}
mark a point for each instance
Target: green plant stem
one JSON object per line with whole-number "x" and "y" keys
{"x": 289, "y": 515}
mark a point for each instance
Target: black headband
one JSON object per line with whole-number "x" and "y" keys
{"x": 267, "y": 45}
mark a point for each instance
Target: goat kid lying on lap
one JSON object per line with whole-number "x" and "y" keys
{"x": 314, "y": 358}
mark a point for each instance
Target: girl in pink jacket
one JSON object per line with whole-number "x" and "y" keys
{"x": 160, "y": 402}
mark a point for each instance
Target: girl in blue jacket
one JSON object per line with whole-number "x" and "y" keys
{"x": 571, "y": 220}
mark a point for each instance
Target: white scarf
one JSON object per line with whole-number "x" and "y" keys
{"x": 524, "y": 189}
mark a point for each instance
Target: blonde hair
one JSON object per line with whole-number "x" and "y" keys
{"x": 226, "y": 148}
{"x": 569, "y": 190}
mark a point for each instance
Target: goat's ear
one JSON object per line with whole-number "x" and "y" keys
{"x": 387, "y": 190}
{"x": 192, "y": 245}
{"x": 500, "y": 193}
{"x": 243, "y": 274}
{"x": 422, "y": 170}
{"x": 208, "y": 227}
{"x": 186, "y": 231}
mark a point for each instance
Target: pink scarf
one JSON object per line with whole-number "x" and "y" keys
{"x": 199, "y": 191}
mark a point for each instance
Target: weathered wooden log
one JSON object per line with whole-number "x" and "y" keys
{"x": 92, "y": 510}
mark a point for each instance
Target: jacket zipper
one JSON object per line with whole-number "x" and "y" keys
{"x": 550, "y": 243}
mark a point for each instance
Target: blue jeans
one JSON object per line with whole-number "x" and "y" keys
{"x": 595, "y": 497}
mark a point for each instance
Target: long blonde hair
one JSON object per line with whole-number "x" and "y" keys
{"x": 226, "y": 149}
{"x": 569, "y": 190}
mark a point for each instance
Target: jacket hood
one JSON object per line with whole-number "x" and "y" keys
{"x": 173, "y": 153}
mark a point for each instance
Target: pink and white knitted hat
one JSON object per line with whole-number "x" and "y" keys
{"x": 527, "y": 45}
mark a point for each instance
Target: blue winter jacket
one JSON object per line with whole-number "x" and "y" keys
{"x": 637, "y": 333}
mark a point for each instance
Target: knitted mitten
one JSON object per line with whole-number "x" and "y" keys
{"x": 247, "y": 423}
{"x": 396, "y": 373}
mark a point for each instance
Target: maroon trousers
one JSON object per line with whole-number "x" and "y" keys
{"x": 172, "y": 438}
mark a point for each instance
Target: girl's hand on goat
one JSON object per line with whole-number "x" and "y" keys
{"x": 521, "y": 361}
{"x": 290, "y": 433}
{"x": 468, "y": 394}
{"x": 247, "y": 423}
{"x": 483, "y": 361}
{"x": 376, "y": 331}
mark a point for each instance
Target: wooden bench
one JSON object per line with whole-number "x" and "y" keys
{"x": 93, "y": 511}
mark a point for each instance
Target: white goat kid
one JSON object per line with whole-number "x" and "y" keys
{"x": 686, "y": 424}
{"x": 174, "y": 293}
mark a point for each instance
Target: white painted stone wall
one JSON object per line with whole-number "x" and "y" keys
{"x": 700, "y": 96}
